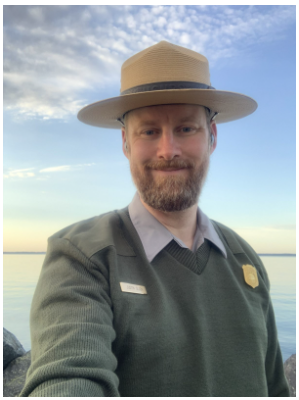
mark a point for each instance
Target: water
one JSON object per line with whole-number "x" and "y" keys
{"x": 20, "y": 275}
{"x": 282, "y": 275}
{"x": 21, "y": 272}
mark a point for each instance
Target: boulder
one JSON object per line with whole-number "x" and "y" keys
{"x": 14, "y": 375}
{"x": 12, "y": 348}
{"x": 290, "y": 373}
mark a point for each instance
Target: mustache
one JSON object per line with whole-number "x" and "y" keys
{"x": 165, "y": 164}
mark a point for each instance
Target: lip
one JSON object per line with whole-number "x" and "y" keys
{"x": 170, "y": 170}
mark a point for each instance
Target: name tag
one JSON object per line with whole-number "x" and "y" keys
{"x": 132, "y": 288}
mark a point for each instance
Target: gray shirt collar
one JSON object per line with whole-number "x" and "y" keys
{"x": 155, "y": 236}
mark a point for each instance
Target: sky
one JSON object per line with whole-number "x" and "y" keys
{"x": 58, "y": 171}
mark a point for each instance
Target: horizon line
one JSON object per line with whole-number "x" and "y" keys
{"x": 44, "y": 252}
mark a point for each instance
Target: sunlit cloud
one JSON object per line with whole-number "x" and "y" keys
{"x": 28, "y": 172}
{"x": 283, "y": 227}
{"x": 19, "y": 173}
{"x": 64, "y": 168}
{"x": 61, "y": 168}
{"x": 270, "y": 228}
{"x": 59, "y": 58}
{"x": 270, "y": 239}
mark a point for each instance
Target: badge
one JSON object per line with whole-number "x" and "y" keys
{"x": 250, "y": 275}
{"x": 132, "y": 288}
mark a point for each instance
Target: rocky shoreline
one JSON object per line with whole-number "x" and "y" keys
{"x": 16, "y": 362}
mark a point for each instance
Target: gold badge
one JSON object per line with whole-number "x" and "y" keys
{"x": 250, "y": 275}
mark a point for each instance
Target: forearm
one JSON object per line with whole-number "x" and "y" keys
{"x": 71, "y": 328}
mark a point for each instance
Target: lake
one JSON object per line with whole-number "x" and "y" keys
{"x": 21, "y": 272}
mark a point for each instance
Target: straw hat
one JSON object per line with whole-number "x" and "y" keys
{"x": 166, "y": 74}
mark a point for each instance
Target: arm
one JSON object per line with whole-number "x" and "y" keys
{"x": 277, "y": 383}
{"x": 71, "y": 328}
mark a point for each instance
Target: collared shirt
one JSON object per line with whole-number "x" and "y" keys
{"x": 155, "y": 236}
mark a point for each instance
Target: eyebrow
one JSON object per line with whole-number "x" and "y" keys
{"x": 148, "y": 122}
{"x": 189, "y": 118}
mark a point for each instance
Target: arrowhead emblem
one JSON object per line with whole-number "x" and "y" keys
{"x": 250, "y": 275}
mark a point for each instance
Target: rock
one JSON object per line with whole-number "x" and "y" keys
{"x": 16, "y": 363}
{"x": 290, "y": 373}
{"x": 12, "y": 348}
{"x": 14, "y": 375}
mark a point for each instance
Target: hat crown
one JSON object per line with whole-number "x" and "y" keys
{"x": 166, "y": 74}
{"x": 164, "y": 62}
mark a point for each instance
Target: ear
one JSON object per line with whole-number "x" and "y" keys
{"x": 123, "y": 135}
{"x": 214, "y": 133}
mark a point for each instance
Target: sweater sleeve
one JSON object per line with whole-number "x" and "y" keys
{"x": 277, "y": 383}
{"x": 71, "y": 328}
{"x": 276, "y": 380}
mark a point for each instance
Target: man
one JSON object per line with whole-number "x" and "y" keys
{"x": 156, "y": 299}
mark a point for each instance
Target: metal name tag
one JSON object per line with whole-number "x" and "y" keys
{"x": 132, "y": 288}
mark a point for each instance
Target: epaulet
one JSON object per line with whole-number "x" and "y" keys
{"x": 239, "y": 246}
{"x": 230, "y": 237}
{"x": 95, "y": 234}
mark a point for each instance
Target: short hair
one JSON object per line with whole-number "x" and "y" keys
{"x": 209, "y": 116}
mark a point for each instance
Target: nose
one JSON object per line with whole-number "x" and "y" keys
{"x": 168, "y": 146}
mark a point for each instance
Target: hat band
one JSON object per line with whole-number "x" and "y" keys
{"x": 148, "y": 87}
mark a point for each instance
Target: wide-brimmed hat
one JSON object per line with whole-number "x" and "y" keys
{"x": 166, "y": 74}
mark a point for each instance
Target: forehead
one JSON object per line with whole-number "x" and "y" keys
{"x": 173, "y": 112}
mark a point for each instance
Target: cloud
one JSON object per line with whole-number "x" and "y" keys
{"x": 285, "y": 227}
{"x": 24, "y": 173}
{"x": 19, "y": 173}
{"x": 61, "y": 168}
{"x": 269, "y": 228}
{"x": 59, "y": 58}
{"x": 64, "y": 168}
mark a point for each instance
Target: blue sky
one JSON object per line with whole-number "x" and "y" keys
{"x": 59, "y": 58}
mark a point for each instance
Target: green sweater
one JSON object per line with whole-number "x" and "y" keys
{"x": 199, "y": 331}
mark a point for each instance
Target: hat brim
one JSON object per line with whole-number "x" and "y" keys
{"x": 229, "y": 105}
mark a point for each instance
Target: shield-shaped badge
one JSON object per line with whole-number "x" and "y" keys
{"x": 250, "y": 275}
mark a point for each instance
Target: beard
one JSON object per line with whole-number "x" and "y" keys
{"x": 170, "y": 193}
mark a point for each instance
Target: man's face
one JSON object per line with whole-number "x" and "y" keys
{"x": 168, "y": 147}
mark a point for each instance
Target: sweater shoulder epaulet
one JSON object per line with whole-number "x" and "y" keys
{"x": 235, "y": 242}
{"x": 232, "y": 238}
{"x": 94, "y": 234}
{"x": 239, "y": 246}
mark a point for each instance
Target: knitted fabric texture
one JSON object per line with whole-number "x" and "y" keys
{"x": 199, "y": 331}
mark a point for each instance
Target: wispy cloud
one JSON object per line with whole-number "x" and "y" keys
{"x": 56, "y": 58}
{"x": 61, "y": 168}
{"x": 268, "y": 228}
{"x": 284, "y": 227}
{"x": 24, "y": 173}
{"x": 64, "y": 168}
{"x": 19, "y": 173}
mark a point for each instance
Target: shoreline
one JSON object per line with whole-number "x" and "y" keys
{"x": 259, "y": 254}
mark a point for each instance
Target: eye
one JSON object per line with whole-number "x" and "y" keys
{"x": 149, "y": 133}
{"x": 186, "y": 130}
